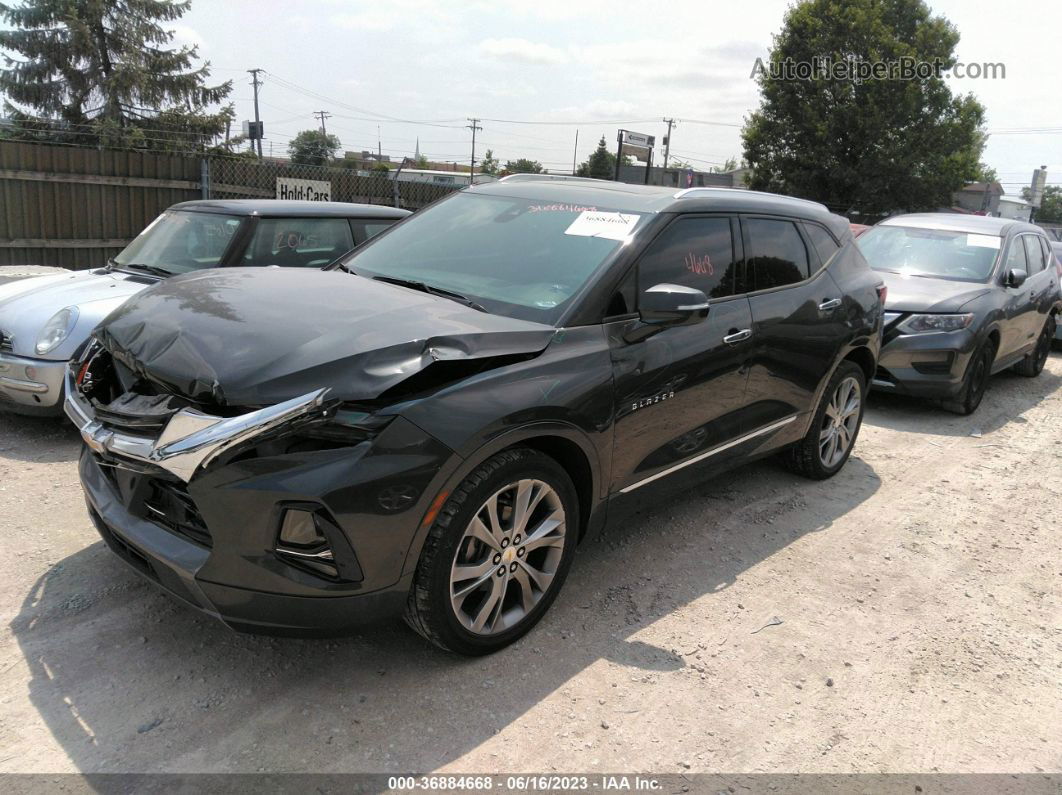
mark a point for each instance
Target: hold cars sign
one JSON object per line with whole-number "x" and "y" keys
{"x": 304, "y": 189}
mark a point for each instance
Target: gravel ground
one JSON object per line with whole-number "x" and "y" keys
{"x": 904, "y": 616}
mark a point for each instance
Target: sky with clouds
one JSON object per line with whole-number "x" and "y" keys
{"x": 585, "y": 66}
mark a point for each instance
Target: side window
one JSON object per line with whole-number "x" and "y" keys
{"x": 299, "y": 242}
{"x": 823, "y": 241}
{"x": 694, "y": 252}
{"x": 1034, "y": 253}
{"x": 1016, "y": 256}
{"x": 776, "y": 253}
{"x": 363, "y": 230}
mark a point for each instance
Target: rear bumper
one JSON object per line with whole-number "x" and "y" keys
{"x": 925, "y": 365}
{"x": 31, "y": 386}
{"x": 176, "y": 565}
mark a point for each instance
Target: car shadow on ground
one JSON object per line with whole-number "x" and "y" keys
{"x": 1008, "y": 397}
{"x": 126, "y": 679}
{"x": 44, "y": 440}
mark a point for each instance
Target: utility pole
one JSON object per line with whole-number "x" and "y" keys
{"x": 667, "y": 141}
{"x": 322, "y": 115}
{"x": 472, "y": 166}
{"x": 257, "y": 118}
{"x": 575, "y": 154}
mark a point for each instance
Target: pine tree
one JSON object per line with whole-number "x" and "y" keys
{"x": 104, "y": 68}
{"x": 601, "y": 164}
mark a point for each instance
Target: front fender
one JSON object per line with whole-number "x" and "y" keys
{"x": 502, "y": 441}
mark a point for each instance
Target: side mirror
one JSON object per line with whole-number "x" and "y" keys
{"x": 672, "y": 305}
{"x": 1016, "y": 277}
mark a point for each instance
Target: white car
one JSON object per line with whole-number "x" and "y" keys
{"x": 45, "y": 319}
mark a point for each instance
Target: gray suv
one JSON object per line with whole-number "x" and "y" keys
{"x": 968, "y": 296}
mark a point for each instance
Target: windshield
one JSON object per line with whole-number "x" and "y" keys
{"x": 935, "y": 253}
{"x": 178, "y": 242}
{"x": 517, "y": 257}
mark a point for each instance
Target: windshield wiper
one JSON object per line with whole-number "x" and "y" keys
{"x": 155, "y": 270}
{"x": 431, "y": 290}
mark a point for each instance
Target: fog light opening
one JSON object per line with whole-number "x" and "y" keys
{"x": 301, "y": 540}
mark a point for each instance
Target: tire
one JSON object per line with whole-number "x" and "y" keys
{"x": 1033, "y": 364}
{"x": 812, "y": 456}
{"x": 526, "y": 570}
{"x": 975, "y": 380}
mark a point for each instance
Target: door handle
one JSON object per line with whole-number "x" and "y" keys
{"x": 827, "y": 305}
{"x": 738, "y": 336}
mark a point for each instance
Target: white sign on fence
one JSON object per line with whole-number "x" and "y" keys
{"x": 304, "y": 189}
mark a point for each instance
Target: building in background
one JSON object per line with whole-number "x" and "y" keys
{"x": 978, "y": 197}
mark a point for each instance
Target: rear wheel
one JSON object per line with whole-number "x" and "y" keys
{"x": 1033, "y": 364}
{"x": 975, "y": 382}
{"x": 497, "y": 555}
{"x": 829, "y": 441}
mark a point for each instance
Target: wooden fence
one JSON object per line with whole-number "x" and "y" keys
{"x": 75, "y": 207}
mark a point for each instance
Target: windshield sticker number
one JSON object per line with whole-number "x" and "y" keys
{"x": 612, "y": 226}
{"x": 983, "y": 241}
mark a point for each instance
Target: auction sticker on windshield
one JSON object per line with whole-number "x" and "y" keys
{"x": 593, "y": 223}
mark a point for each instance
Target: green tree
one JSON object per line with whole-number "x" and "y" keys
{"x": 489, "y": 164}
{"x": 876, "y": 145}
{"x": 677, "y": 162}
{"x": 523, "y": 166}
{"x": 984, "y": 173}
{"x": 728, "y": 165}
{"x": 600, "y": 165}
{"x": 102, "y": 70}
{"x": 1050, "y": 210}
{"x": 313, "y": 148}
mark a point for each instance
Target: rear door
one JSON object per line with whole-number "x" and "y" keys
{"x": 798, "y": 326}
{"x": 1041, "y": 284}
{"x": 680, "y": 392}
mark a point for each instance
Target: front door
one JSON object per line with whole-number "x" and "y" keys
{"x": 1016, "y": 325}
{"x": 680, "y": 392}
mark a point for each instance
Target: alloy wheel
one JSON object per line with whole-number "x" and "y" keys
{"x": 840, "y": 423}
{"x": 508, "y": 556}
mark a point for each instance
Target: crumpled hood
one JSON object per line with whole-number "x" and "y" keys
{"x": 26, "y": 305}
{"x": 919, "y": 294}
{"x": 259, "y": 336}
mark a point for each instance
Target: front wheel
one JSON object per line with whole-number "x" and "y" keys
{"x": 497, "y": 554}
{"x": 975, "y": 381}
{"x": 834, "y": 428}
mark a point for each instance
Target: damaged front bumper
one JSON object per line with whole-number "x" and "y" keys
{"x": 191, "y": 439}
{"x": 197, "y": 508}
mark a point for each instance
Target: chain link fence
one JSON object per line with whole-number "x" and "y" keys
{"x": 237, "y": 178}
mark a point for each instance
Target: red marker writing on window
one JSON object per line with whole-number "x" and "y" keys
{"x": 699, "y": 265}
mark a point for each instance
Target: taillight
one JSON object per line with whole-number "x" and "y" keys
{"x": 883, "y": 293}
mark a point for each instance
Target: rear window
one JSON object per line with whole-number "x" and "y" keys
{"x": 932, "y": 253}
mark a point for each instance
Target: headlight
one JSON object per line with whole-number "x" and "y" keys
{"x": 920, "y": 324}
{"x": 56, "y": 330}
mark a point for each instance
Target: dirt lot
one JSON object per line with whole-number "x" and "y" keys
{"x": 919, "y": 595}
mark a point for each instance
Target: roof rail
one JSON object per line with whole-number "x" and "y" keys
{"x": 693, "y": 193}
{"x": 547, "y": 177}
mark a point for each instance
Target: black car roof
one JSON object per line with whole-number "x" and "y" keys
{"x": 291, "y": 209}
{"x": 622, "y": 197}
